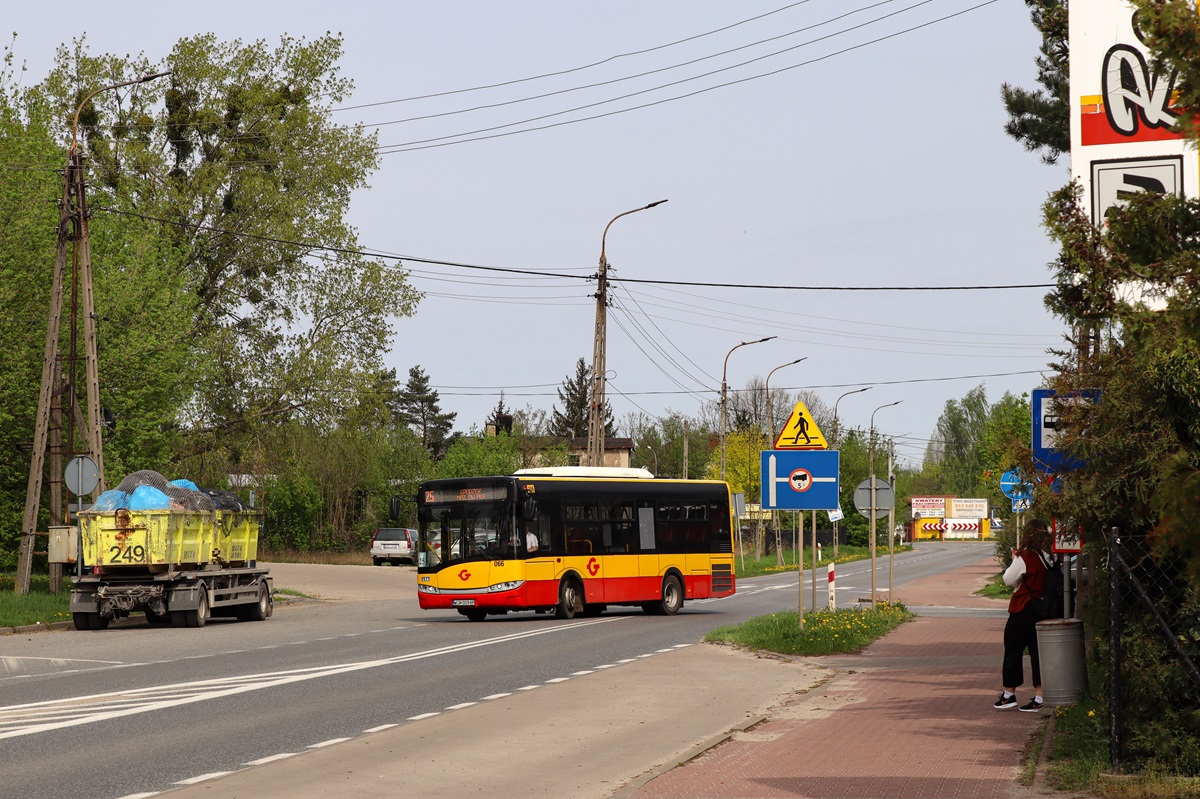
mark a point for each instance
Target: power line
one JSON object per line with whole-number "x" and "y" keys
{"x": 367, "y": 253}
{"x": 572, "y": 69}
{"x": 412, "y": 146}
{"x": 598, "y": 84}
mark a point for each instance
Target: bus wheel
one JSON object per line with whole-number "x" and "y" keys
{"x": 672, "y": 598}
{"x": 475, "y": 614}
{"x": 569, "y": 600}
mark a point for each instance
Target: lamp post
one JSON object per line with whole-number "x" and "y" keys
{"x": 724, "y": 395}
{"x": 655, "y": 454}
{"x": 835, "y": 446}
{"x": 771, "y": 443}
{"x": 871, "y": 468}
{"x": 595, "y": 442}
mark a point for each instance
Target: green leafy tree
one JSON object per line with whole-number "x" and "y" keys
{"x": 960, "y": 430}
{"x": 481, "y": 455}
{"x": 30, "y": 163}
{"x": 664, "y": 437}
{"x": 228, "y": 184}
{"x": 419, "y": 407}
{"x": 1040, "y": 118}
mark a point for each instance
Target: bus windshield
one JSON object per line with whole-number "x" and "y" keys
{"x": 456, "y": 532}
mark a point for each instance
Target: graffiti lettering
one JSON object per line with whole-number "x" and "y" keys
{"x": 1132, "y": 96}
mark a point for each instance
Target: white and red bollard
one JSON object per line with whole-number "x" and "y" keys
{"x": 832, "y": 589}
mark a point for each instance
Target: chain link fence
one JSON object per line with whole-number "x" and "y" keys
{"x": 1149, "y": 641}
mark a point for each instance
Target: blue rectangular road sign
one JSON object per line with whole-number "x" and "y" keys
{"x": 800, "y": 479}
{"x": 1047, "y": 457}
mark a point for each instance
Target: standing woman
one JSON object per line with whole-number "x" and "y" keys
{"x": 1028, "y": 573}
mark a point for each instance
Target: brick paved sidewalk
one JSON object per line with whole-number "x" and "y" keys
{"x": 910, "y": 718}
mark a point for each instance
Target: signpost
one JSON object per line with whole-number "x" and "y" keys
{"x": 885, "y": 498}
{"x": 800, "y": 479}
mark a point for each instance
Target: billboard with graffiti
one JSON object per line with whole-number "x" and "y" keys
{"x": 1121, "y": 112}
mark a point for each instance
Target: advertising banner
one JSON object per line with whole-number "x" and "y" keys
{"x": 928, "y": 507}
{"x": 969, "y": 508}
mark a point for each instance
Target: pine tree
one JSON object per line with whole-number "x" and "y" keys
{"x": 575, "y": 395}
{"x": 419, "y": 407}
{"x": 1040, "y": 119}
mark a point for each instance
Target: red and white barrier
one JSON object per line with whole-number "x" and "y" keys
{"x": 832, "y": 589}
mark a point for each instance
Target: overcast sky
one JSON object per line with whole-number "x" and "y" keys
{"x": 861, "y": 146}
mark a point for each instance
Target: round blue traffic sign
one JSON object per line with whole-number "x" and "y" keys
{"x": 1015, "y": 485}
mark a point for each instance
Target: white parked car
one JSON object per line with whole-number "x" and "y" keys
{"x": 392, "y": 545}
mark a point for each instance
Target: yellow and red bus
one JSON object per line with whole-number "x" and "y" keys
{"x": 572, "y": 540}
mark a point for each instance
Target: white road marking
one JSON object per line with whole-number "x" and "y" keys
{"x": 35, "y": 717}
{"x": 422, "y": 716}
{"x": 495, "y": 696}
{"x": 461, "y": 705}
{"x": 330, "y": 742}
{"x": 271, "y": 759}
{"x": 380, "y": 728}
{"x": 212, "y": 775}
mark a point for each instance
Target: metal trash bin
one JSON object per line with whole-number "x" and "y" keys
{"x": 1061, "y": 655}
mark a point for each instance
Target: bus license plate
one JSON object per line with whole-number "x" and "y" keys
{"x": 463, "y": 603}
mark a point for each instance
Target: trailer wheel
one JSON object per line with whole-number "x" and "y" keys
{"x": 89, "y": 621}
{"x": 199, "y": 616}
{"x": 260, "y": 610}
{"x": 157, "y": 618}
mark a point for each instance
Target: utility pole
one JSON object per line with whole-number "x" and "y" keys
{"x": 596, "y": 407}
{"x": 891, "y": 517}
{"x": 58, "y": 402}
{"x": 685, "y": 449}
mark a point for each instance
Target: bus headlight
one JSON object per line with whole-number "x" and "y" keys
{"x": 427, "y": 589}
{"x": 505, "y": 586}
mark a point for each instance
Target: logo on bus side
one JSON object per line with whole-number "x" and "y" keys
{"x": 593, "y": 567}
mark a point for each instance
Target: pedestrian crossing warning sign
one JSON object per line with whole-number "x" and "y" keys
{"x": 800, "y": 431}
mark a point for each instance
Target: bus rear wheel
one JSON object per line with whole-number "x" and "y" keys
{"x": 672, "y": 598}
{"x": 570, "y": 600}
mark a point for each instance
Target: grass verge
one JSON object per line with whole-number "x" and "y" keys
{"x": 995, "y": 588}
{"x": 39, "y": 606}
{"x": 826, "y": 632}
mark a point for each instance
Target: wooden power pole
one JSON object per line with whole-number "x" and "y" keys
{"x": 58, "y": 410}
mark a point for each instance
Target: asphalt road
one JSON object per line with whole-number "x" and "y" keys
{"x": 361, "y": 688}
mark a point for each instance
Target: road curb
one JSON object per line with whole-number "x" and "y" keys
{"x": 634, "y": 785}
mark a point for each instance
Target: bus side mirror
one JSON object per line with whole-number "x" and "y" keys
{"x": 529, "y": 509}
{"x": 395, "y": 507}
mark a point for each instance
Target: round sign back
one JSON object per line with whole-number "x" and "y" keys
{"x": 82, "y": 475}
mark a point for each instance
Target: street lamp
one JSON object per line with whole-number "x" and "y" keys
{"x": 871, "y": 468}
{"x": 835, "y": 446}
{"x": 771, "y": 443}
{"x": 724, "y": 395}
{"x": 655, "y": 454}
{"x": 595, "y": 442}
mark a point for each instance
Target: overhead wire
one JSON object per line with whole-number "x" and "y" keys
{"x": 571, "y": 70}
{"x": 437, "y": 142}
{"x": 680, "y": 65}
